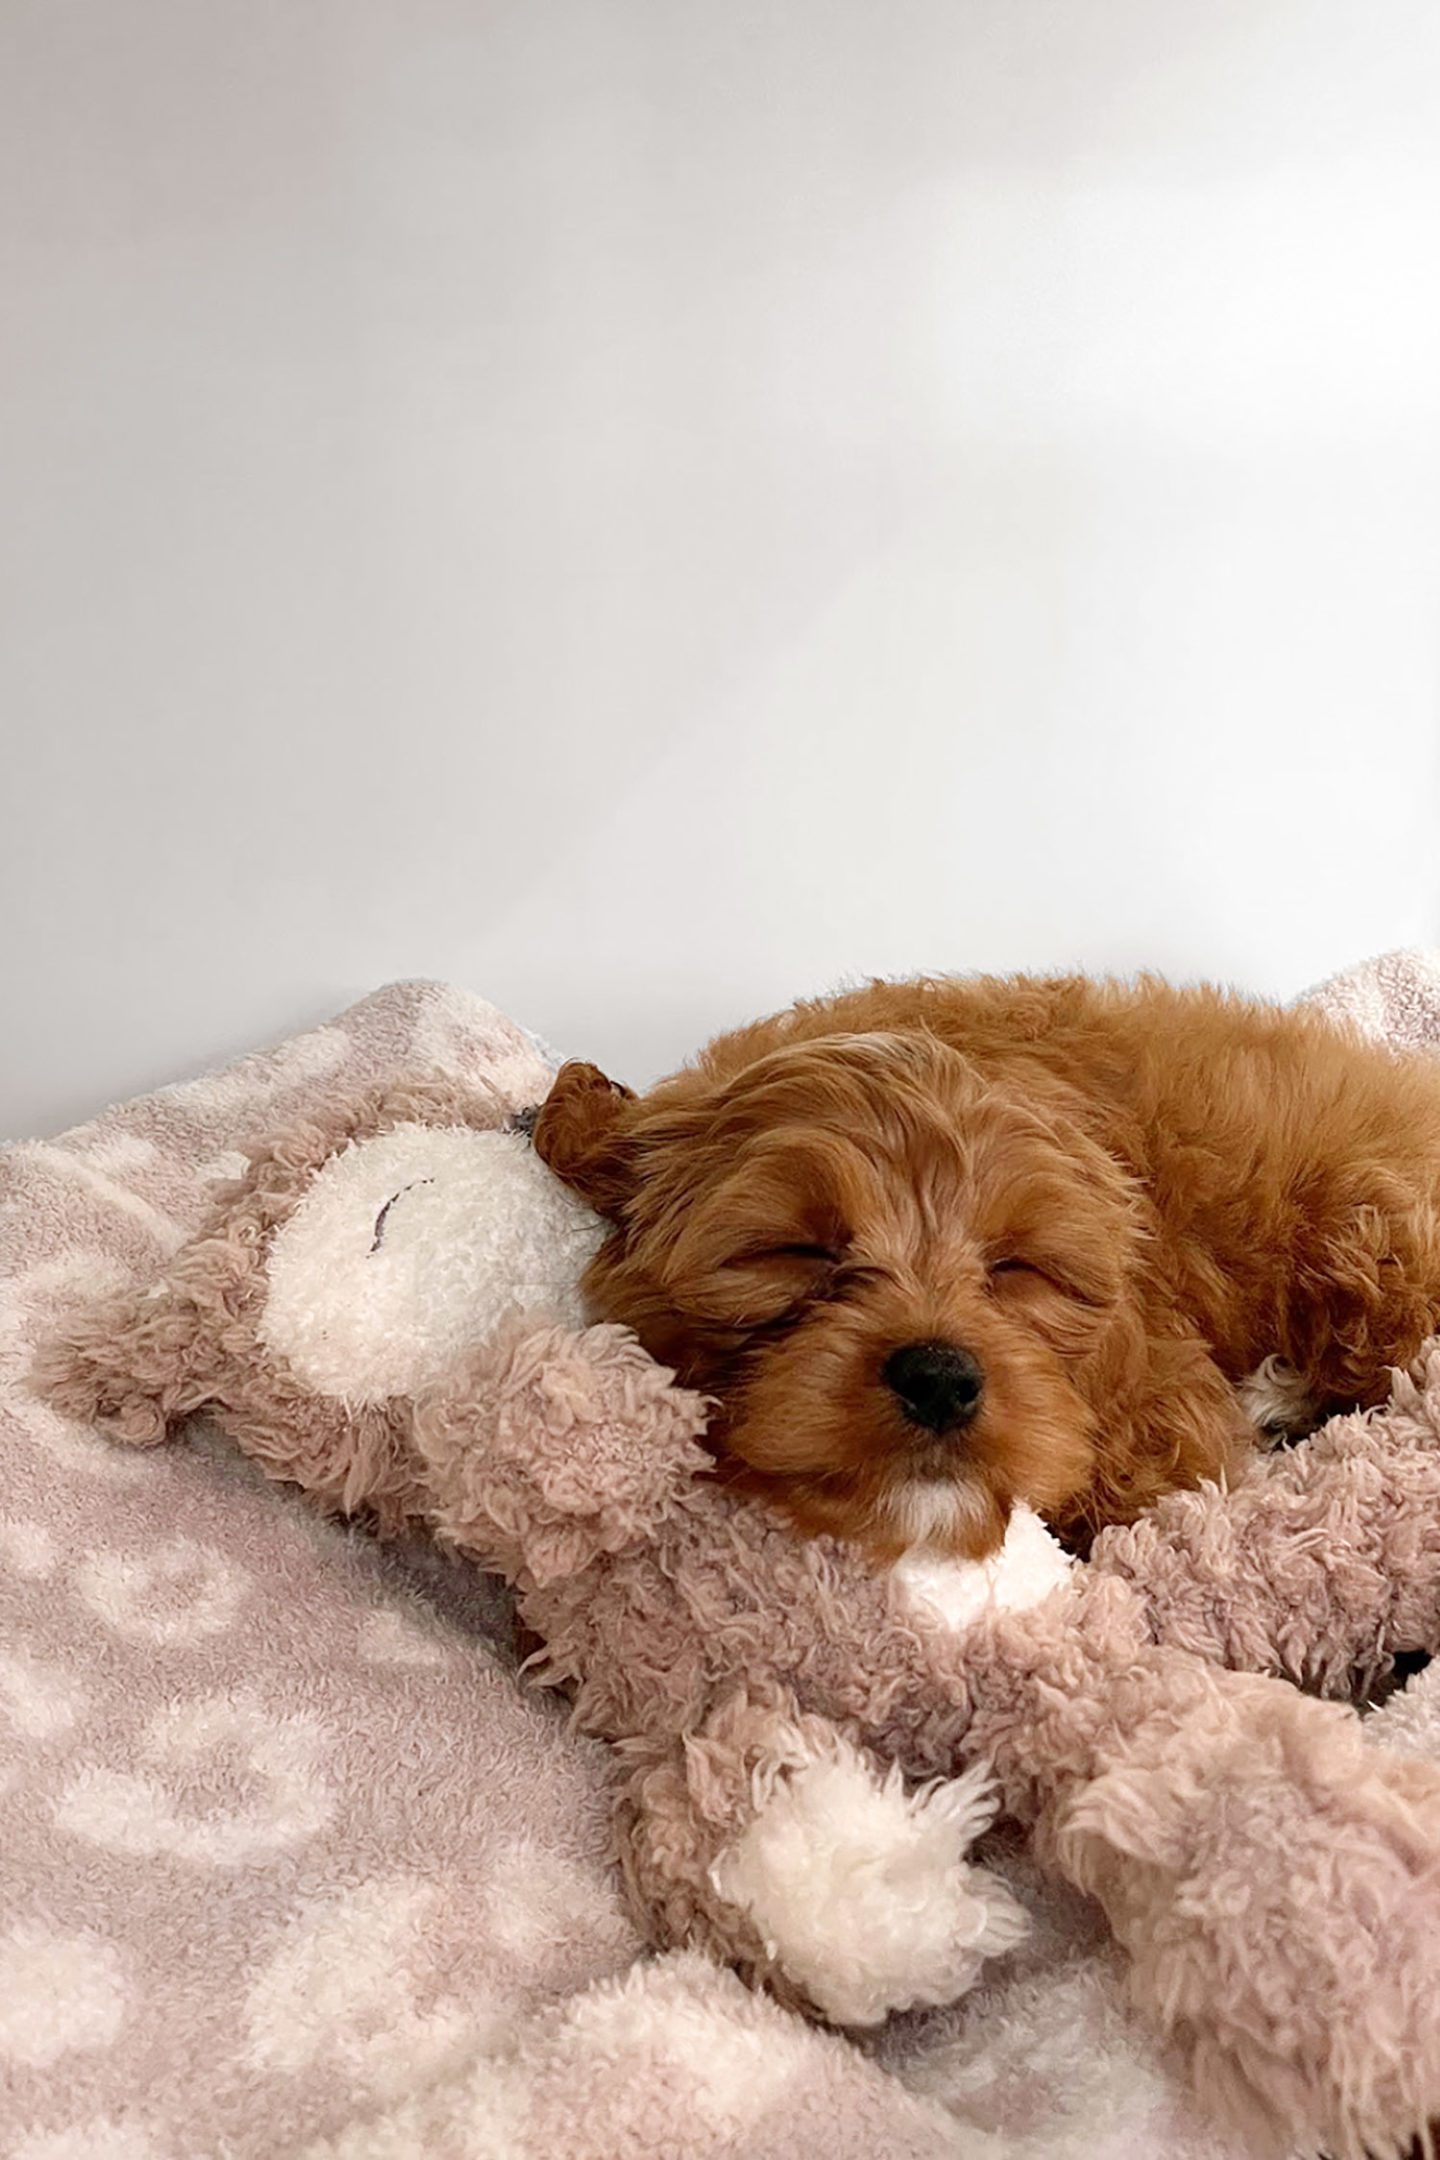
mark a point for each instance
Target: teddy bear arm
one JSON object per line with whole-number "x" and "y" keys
{"x": 135, "y": 1364}
{"x": 770, "y": 1837}
{"x": 1275, "y": 1882}
{"x": 1322, "y": 1566}
{"x": 1254, "y": 1856}
{"x": 546, "y": 1449}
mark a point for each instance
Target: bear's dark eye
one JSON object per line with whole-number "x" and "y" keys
{"x": 819, "y": 1253}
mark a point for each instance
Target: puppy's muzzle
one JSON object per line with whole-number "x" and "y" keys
{"x": 938, "y": 1385}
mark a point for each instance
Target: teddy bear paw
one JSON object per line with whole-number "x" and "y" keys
{"x": 861, "y": 1889}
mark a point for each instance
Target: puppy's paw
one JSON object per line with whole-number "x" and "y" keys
{"x": 1277, "y": 1400}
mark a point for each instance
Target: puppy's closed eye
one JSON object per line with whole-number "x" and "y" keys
{"x": 1064, "y": 1305}
{"x": 754, "y": 1284}
{"x": 1075, "y": 1275}
{"x": 756, "y": 1244}
{"x": 764, "y": 1284}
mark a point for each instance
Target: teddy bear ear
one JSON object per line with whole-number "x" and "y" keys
{"x": 582, "y": 1135}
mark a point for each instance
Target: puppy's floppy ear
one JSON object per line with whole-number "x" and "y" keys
{"x": 581, "y": 1133}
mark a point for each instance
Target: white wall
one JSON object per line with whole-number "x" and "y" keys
{"x": 645, "y": 507}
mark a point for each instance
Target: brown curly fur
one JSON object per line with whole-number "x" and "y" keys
{"x": 1120, "y": 1198}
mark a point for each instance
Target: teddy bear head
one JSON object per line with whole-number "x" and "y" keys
{"x": 362, "y": 1252}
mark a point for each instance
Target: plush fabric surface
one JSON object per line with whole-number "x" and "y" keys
{"x": 293, "y": 1864}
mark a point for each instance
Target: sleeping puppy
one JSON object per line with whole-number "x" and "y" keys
{"x": 937, "y": 1246}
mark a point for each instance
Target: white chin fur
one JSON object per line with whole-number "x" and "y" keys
{"x": 861, "y": 1889}
{"x": 934, "y": 1511}
{"x": 1028, "y": 1566}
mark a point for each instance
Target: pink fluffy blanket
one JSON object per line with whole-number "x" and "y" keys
{"x": 294, "y": 1865}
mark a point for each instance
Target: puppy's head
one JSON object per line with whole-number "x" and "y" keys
{"x": 894, "y": 1278}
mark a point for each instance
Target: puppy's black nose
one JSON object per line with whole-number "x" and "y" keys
{"x": 938, "y": 1383}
